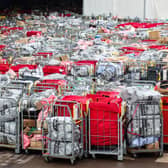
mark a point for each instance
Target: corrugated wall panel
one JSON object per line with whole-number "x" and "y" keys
{"x": 125, "y": 8}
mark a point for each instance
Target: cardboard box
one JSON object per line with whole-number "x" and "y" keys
{"x": 24, "y": 40}
{"x": 64, "y": 58}
{"x": 26, "y": 130}
{"x": 100, "y": 31}
{"x": 154, "y": 35}
{"x": 154, "y": 146}
{"x": 20, "y": 23}
{"x": 35, "y": 144}
{"x": 38, "y": 105}
{"x": 45, "y": 125}
{"x": 27, "y": 17}
{"x": 36, "y": 132}
{"x": 29, "y": 123}
{"x": 2, "y": 17}
{"x": 2, "y": 36}
{"x": 57, "y": 58}
{"x": 163, "y": 40}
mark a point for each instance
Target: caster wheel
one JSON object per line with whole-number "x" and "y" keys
{"x": 134, "y": 155}
{"x": 119, "y": 158}
{"x": 93, "y": 156}
{"x": 26, "y": 152}
{"x": 86, "y": 155}
{"x": 157, "y": 154}
{"x": 161, "y": 154}
{"x": 17, "y": 151}
{"x": 47, "y": 159}
{"x": 72, "y": 161}
{"x": 81, "y": 157}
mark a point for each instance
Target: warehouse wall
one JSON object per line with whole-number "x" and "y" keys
{"x": 124, "y": 8}
{"x": 157, "y": 9}
{"x": 97, "y": 7}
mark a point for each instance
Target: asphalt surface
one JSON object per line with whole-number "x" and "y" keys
{"x": 10, "y": 160}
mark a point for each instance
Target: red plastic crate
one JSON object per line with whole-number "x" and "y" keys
{"x": 104, "y": 128}
{"x": 165, "y": 119}
{"x": 33, "y": 33}
{"x": 49, "y": 69}
{"x": 4, "y": 68}
{"x": 20, "y": 66}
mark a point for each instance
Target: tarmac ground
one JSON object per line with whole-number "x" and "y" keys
{"x": 34, "y": 160}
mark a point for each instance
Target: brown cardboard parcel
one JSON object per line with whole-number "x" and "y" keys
{"x": 154, "y": 35}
